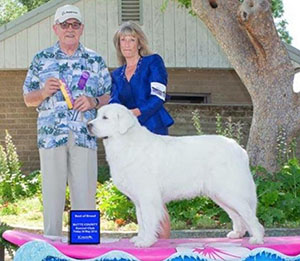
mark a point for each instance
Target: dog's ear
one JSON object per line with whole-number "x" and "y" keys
{"x": 126, "y": 121}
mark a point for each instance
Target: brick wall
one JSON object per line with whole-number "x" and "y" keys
{"x": 182, "y": 115}
{"x": 20, "y": 121}
{"x": 224, "y": 86}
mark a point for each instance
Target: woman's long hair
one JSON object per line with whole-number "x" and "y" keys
{"x": 132, "y": 29}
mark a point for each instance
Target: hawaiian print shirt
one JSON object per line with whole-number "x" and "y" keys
{"x": 55, "y": 120}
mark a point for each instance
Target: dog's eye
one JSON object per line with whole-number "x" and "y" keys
{"x": 104, "y": 117}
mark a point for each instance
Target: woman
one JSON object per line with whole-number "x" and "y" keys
{"x": 140, "y": 85}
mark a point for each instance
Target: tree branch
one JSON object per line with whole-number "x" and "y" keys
{"x": 222, "y": 23}
{"x": 255, "y": 17}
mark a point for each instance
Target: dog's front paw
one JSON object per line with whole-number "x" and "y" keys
{"x": 142, "y": 242}
{"x": 256, "y": 240}
{"x": 235, "y": 234}
{"x": 135, "y": 239}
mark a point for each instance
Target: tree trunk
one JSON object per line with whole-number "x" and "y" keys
{"x": 248, "y": 36}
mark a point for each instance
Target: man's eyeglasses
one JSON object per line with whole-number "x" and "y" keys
{"x": 66, "y": 25}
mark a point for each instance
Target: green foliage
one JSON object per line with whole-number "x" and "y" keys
{"x": 195, "y": 212}
{"x": 9, "y": 209}
{"x": 113, "y": 204}
{"x": 278, "y": 194}
{"x": 33, "y": 183}
{"x": 181, "y": 3}
{"x": 13, "y": 184}
{"x": 278, "y": 12}
{"x": 67, "y": 200}
{"x": 196, "y": 121}
{"x": 12, "y": 9}
{"x": 227, "y": 128}
{"x": 8, "y": 246}
{"x": 285, "y": 150}
{"x": 277, "y": 8}
{"x": 282, "y": 31}
{"x": 32, "y": 4}
{"x": 25, "y": 212}
{"x": 219, "y": 125}
{"x": 103, "y": 174}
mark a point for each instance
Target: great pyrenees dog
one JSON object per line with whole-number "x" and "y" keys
{"x": 153, "y": 170}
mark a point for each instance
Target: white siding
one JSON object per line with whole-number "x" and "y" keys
{"x": 202, "y": 50}
{"x": 33, "y": 41}
{"x": 2, "y": 63}
{"x": 158, "y": 28}
{"x": 81, "y": 6}
{"x": 10, "y": 59}
{"x": 191, "y": 41}
{"x": 147, "y": 20}
{"x": 45, "y": 28}
{"x": 53, "y": 37}
{"x": 213, "y": 50}
{"x": 169, "y": 35}
{"x": 22, "y": 49}
{"x": 102, "y": 28}
{"x": 89, "y": 24}
{"x": 112, "y": 26}
{"x": 181, "y": 39}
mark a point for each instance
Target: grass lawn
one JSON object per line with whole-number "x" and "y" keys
{"x": 28, "y": 213}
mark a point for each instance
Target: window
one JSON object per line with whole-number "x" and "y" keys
{"x": 130, "y": 10}
{"x": 189, "y": 98}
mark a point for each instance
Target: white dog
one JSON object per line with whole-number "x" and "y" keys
{"x": 153, "y": 170}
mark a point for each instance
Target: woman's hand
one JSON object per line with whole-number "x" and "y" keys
{"x": 136, "y": 112}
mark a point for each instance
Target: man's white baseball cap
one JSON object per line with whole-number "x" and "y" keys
{"x": 66, "y": 12}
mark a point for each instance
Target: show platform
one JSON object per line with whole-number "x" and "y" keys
{"x": 35, "y": 247}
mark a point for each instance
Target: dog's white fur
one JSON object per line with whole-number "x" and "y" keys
{"x": 153, "y": 170}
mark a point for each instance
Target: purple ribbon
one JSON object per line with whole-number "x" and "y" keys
{"x": 81, "y": 85}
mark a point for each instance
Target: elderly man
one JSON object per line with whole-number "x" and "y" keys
{"x": 67, "y": 151}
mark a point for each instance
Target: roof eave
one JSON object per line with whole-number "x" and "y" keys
{"x": 34, "y": 16}
{"x": 294, "y": 55}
